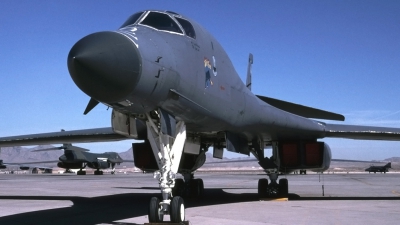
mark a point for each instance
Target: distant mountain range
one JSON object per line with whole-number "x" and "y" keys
{"x": 23, "y": 154}
{"x": 393, "y": 159}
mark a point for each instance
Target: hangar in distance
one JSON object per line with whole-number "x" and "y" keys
{"x": 171, "y": 84}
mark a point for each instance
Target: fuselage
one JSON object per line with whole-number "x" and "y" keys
{"x": 85, "y": 157}
{"x": 178, "y": 55}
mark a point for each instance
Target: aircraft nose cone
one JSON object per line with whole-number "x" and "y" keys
{"x": 105, "y": 65}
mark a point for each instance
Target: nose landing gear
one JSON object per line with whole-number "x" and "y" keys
{"x": 167, "y": 141}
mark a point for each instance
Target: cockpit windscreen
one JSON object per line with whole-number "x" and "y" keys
{"x": 189, "y": 30}
{"x": 161, "y": 21}
{"x": 132, "y": 19}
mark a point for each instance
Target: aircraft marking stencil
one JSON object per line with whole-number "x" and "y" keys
{"x": 158, "y": 73}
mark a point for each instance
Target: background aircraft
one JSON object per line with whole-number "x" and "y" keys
{"x": 78, "y": 158}
{"x": 382, "y": 169}
{"x": 179, "y": 92}
{"x": 27, "y": 165}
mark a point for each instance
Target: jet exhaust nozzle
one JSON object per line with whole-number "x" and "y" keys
{"x": 105, "y": 65}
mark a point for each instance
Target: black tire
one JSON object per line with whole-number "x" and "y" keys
{"x": 200, "y": 184}
{"x": 81, "y": 172}
{"x": 154, "y": 211}
{"x": 262, "y": 187}
{"x": 177, "y": 210}
{"x": 179, "y": 188}
{"x": 283, "y": 187}
{"x": 195, "y": 190}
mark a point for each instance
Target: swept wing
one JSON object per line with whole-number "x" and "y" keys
{"x": 301, "y": 110}
{"x": 74, "y": 136}
{"x": 362, "y": 132}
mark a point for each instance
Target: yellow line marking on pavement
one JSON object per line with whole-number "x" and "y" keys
{"x": 275, "y": 199}
{"x": 396, "y": 192}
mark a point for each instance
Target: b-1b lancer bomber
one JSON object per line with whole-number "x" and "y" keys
{"x": 78, "y": 158}
{"x": 171, "y": 84}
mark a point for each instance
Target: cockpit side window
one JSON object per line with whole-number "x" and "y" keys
{"x": 161, "y": 21}
{"x": 132, "y": 19}
{"x": 187, "y": 26}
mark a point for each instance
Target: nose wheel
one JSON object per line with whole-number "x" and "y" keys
{"x": 155, "y": 211}
{"x": 177, "y": 210}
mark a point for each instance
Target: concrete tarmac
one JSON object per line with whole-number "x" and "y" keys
{"x": 228, "y": 199}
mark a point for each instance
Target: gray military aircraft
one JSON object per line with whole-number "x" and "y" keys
{"x": 78, "y": 158}
{"x": 382, "y": 169}
{"x": 26, "y": 166}
{"x": 171, "y": 84}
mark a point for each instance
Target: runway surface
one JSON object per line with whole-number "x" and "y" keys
{"x": 228, "y": 199}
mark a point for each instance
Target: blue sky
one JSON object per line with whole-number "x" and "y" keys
{"x": 340, "y": 56}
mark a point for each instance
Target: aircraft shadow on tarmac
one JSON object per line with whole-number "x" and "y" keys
{"x": 107, "y": 209}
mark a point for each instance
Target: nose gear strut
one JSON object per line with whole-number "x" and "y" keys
{"x": 167, "y": 141}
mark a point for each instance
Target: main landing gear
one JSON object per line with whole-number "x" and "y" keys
{"x": 81, "y": 172}
{"x": 98, "y": 172}
{"x": 273, "y": 189}
{"x": 113, "y": 168}
{"x": 188, "y": 187}
{"x": 167, "y": 141}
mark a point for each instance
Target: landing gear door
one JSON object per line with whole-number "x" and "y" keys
{"x": 124, "y": 124}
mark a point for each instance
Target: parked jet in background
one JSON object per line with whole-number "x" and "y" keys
{"x": 26, "y": 166}
{"x": 78, "y": 158}
{"x": 171, "y": 84}
{"x": 382, "y": 169}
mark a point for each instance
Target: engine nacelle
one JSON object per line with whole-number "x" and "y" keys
{"x": 314, "y": 156}
{"x": 24, "y": 167}
{"x": 99, "y": 165}
{"x": 70, "y": 165}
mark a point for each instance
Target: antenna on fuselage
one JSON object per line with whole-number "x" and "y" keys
{"x": 248, "y": 79}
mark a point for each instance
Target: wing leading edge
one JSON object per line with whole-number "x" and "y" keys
{"x": 362, "y": 132}
{"x": 301, "y": 110}
{"x": 73, "y": 136}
